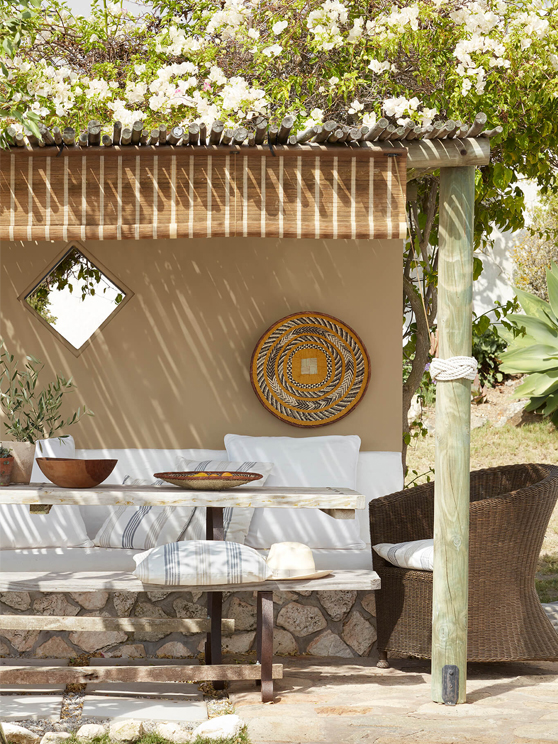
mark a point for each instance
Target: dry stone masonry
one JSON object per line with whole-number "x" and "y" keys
{"x": 319, "y": 623}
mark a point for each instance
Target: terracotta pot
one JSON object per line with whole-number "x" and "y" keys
{"x": 6, "y": 467}
{"x": 24, "y": 454}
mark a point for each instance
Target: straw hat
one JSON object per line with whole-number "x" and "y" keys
{"x": 292, "y": 560}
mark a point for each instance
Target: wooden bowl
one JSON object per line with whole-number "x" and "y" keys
{"x": 208, "y": 481}
{"x": 73, "y": 473}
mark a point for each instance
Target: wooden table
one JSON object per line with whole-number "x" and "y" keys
{"x": 339, "y": 503}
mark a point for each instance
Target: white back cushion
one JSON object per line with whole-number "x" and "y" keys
{"x": 62, "y": 527}
{"x": 308, "y": 461}
{"x": 136, "y": 463}
{"x": 378, "y": 473}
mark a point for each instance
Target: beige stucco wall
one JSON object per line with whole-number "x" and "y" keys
{"x": 171, "y": 368}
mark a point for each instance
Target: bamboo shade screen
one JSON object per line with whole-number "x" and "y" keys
{"x": 174, "y": 193}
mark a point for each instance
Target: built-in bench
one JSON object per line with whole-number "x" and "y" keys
{"x": 116, "y": 581}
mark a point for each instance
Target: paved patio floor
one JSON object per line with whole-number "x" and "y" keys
{"x": 341, "y": 702}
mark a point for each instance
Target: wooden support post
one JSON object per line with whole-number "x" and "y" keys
{"x": 453, "y": 416}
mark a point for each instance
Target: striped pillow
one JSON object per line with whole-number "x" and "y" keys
{"x": 201, "y": 563}
{"x": 236, "y": 521}
{"x": 418, "y": 554}
{"x": 143, "y": 527}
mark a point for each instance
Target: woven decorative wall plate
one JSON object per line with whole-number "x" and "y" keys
{"x": 310, "y": 369}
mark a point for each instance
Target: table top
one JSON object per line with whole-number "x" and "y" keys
{"x": 338, "y": 502}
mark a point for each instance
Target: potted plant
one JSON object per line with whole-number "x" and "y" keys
{"x": 31, "y": 413}
{"x": 6, "y": 466}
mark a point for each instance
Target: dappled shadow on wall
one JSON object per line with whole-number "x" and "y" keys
{"x": 172, "y": 368}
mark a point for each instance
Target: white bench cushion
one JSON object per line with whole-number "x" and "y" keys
{"x": 306, "y": 461}
{"x": 118, "y": 559}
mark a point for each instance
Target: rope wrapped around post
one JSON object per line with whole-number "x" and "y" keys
{"x": 454, "y": 368}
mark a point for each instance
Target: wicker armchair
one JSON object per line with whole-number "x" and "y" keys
{"x": 510, "y": 510}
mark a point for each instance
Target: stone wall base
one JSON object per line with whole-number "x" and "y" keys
{"x": 318, "y": 623}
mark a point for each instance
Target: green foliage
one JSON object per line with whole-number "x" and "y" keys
{"x": 73, "y": 267}
{"x": 5, "y": 452}
{"x": 153, "y": 738}
{"x": 534, "y": 352}
{"x": 32, "y": 413}
{"x": 488, "y": 344}
{"x": 535, "y": 253}
{"x": 16, "y": 27}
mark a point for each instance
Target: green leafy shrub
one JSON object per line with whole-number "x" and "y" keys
{"x": 489, "y": 344}
{"x": 534, "y": 351}
{"x": 32, "y": 413}
{"x": 535, "y": 253}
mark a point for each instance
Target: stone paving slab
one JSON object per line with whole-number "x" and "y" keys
{"x": 144, "y": 700}
{"x": 144, "y": 709}
{"x": 30, "y": 707}
{"x": 352, "y": 702}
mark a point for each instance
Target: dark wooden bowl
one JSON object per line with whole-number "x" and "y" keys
{"x": 72, "y": 473}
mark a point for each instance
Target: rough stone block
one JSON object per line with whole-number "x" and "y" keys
{"x": 301, "y": 620}
{"x": 337, "y": 604}
{"x": 90, "y": 731}
{"x": 90, "y": 600}
{"x": 55, "y": 648}
{"x": 21, "y": 640}
{"x": 173, "y": 732}
{"x": 91, "y": 641}
{"x": 283, "y": 643}
{"x": 129, "y": 651}
{"x": 4, "y": 650}
{"x": 329, "y": 644}
{"x": 17, "y": 600}
{"x": 358, "y": 633}
{"x": 174, "y": 650}
{"x": 157, "y": 596}
{"x": 55, "y": 737}
{"x": 368, "y": 603}
{"x": 19, "y": 735}
{"x": 54, "y": 604}
{"x": 146, "y": 609}
{"x": 123, "y": 602}
{"x": 239, "y": 643}
{"x": 185, "y": 609}
{"x": 127, "y": 731}
{"x": 243, "y": 614}
{"x": 220, "y": 727}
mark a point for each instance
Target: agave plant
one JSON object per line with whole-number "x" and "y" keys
{"x": 534, "y": 350}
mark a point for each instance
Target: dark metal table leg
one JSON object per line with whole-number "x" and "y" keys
{"x": 264, "y": 643}
{"x": 214, "y": 531}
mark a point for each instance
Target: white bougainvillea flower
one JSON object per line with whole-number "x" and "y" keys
{"x": 279, "y": 26}
{"x": 272, "y": 51}
{"x": 378, "y": 67}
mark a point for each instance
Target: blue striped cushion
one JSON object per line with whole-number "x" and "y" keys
{"x": 418, "y": 554}
{"x": 201, "y": 563}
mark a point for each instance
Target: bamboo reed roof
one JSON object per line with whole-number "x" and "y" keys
{"x": 330, "y": 134}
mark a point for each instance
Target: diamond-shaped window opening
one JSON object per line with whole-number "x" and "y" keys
{"x": 76, "y": 297}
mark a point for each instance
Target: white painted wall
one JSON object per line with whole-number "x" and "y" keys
{"x": 496, "y": 280}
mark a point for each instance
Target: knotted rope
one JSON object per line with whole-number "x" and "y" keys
{"x": 455, "y": 368}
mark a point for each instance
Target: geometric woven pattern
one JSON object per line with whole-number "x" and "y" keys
{"x": 310, "y": 369}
